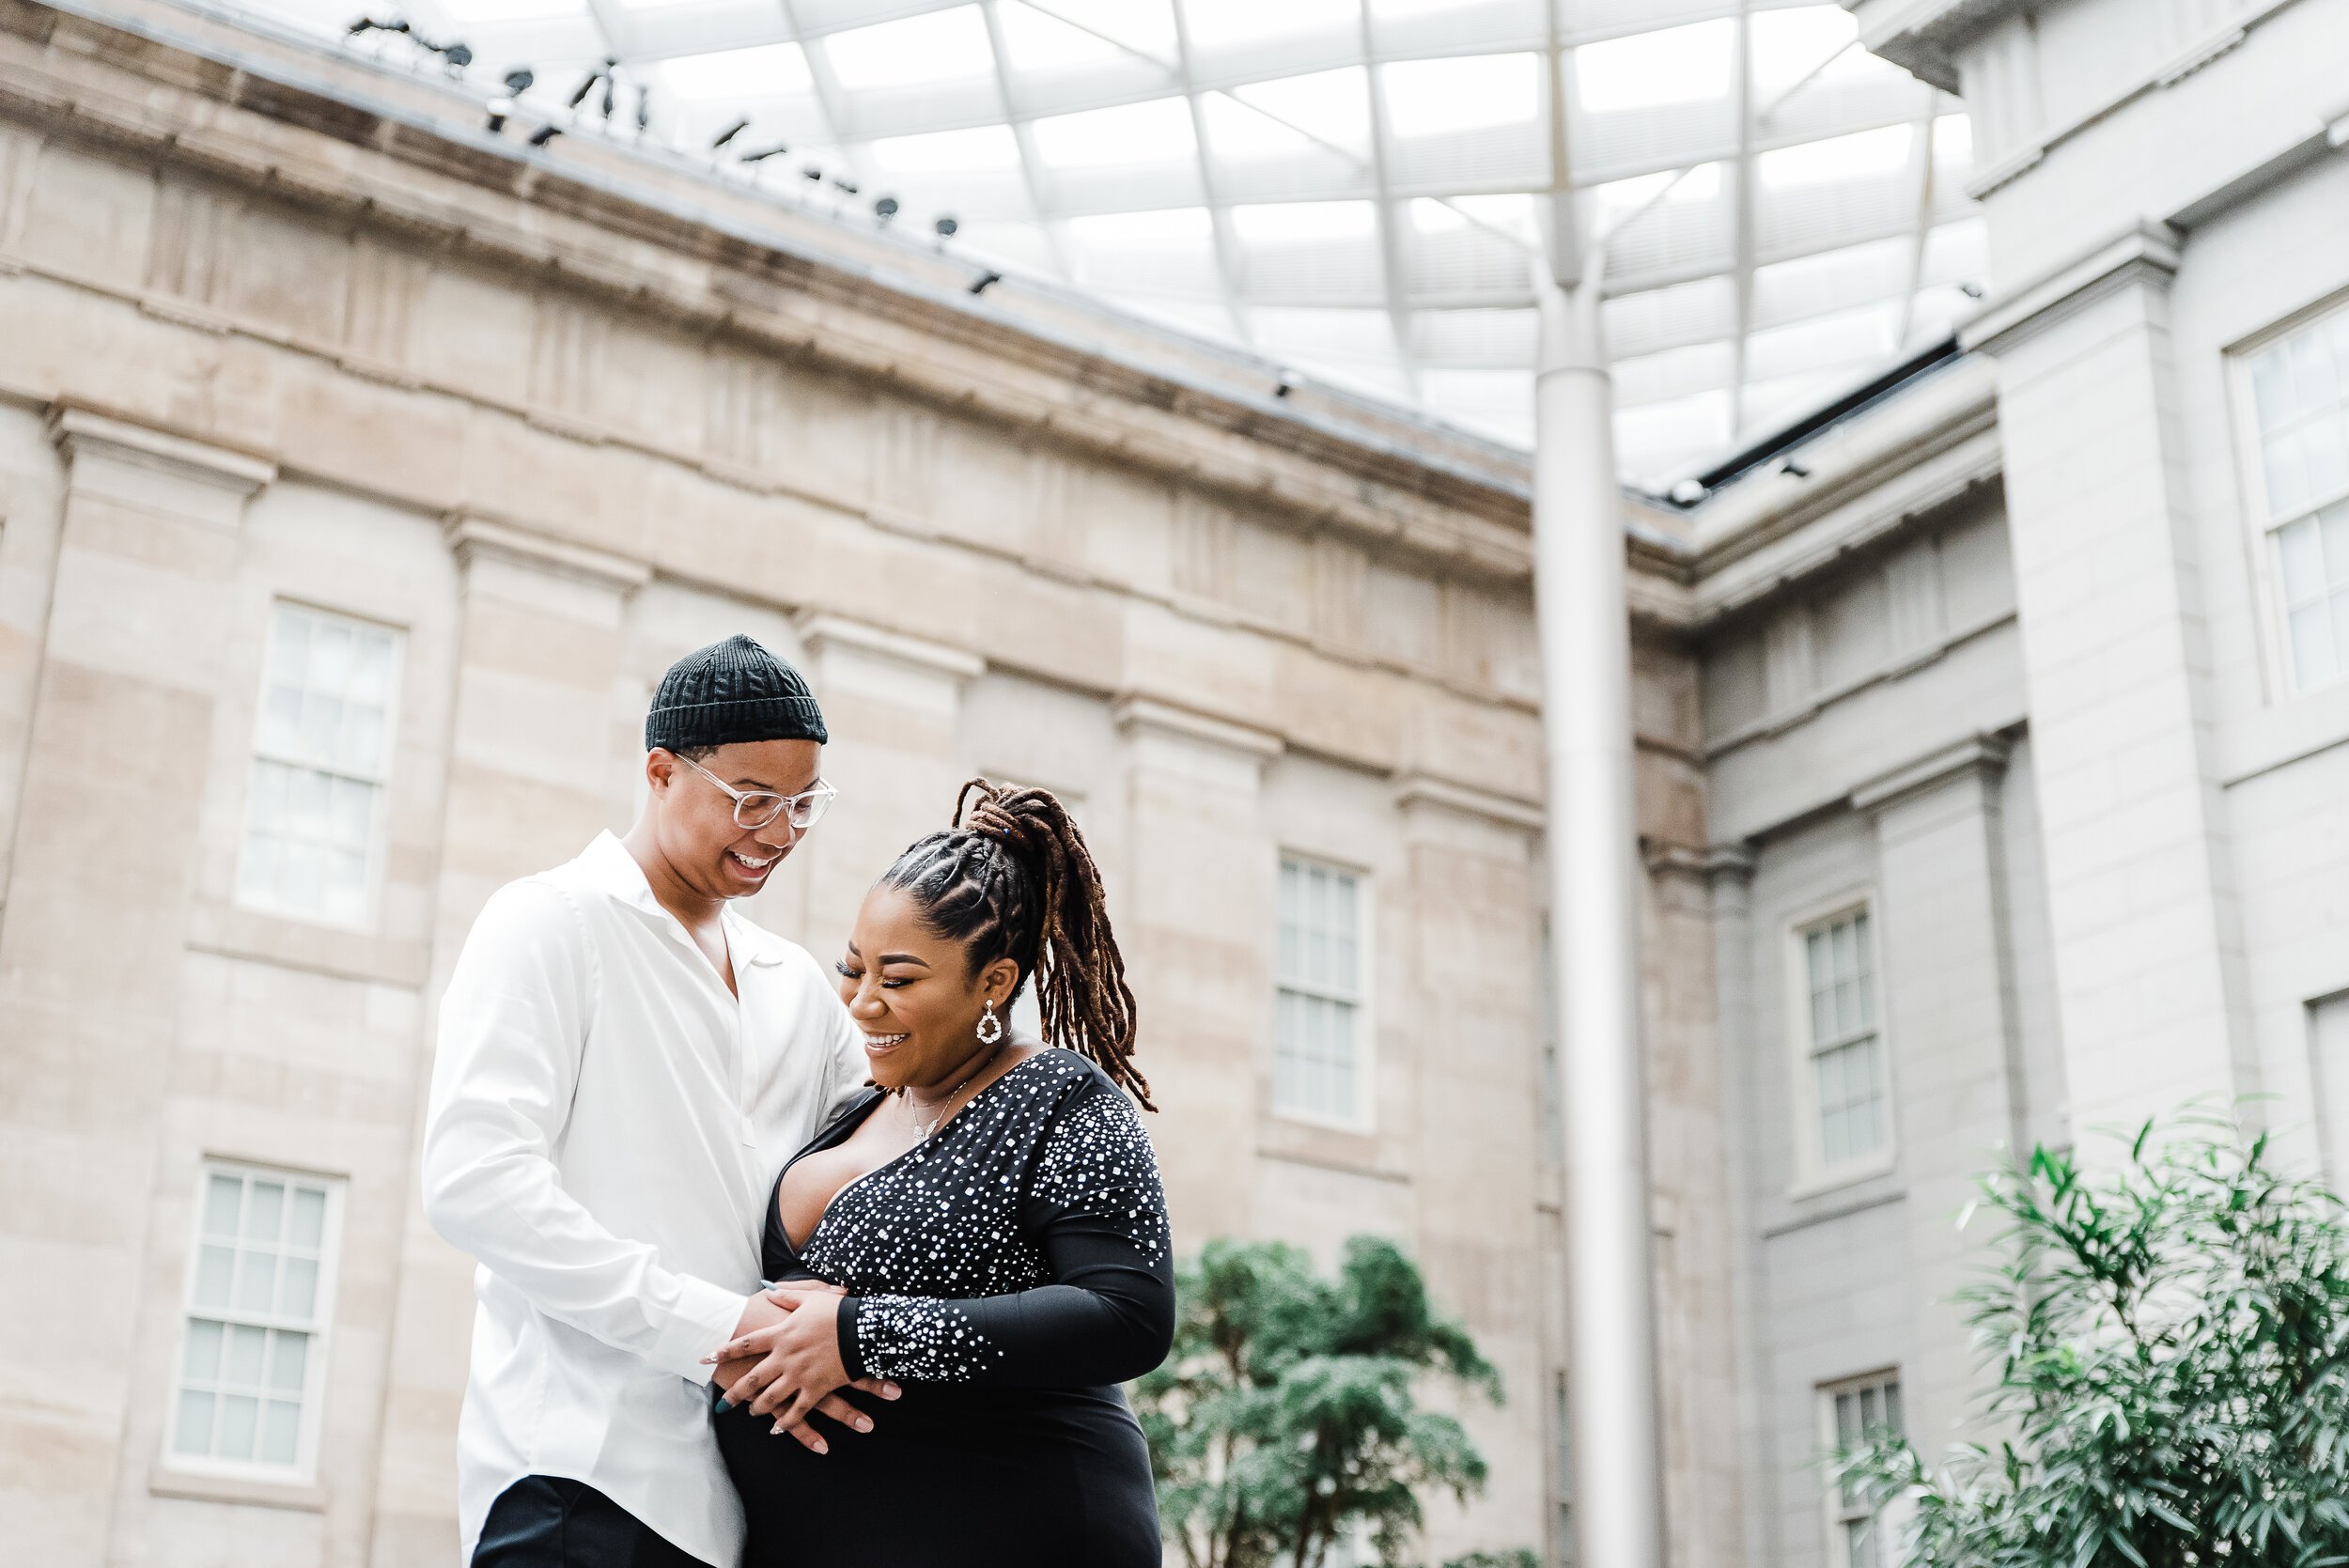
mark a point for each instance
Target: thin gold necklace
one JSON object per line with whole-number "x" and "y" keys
{"x": 946, "y": 1104}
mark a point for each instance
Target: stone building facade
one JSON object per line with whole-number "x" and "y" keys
{"x": 360, "y": 471}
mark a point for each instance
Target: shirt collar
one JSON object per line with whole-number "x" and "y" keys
{"x": 609, "y": 865}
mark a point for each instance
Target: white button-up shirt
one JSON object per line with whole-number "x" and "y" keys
{"x": 607, "y": 1118}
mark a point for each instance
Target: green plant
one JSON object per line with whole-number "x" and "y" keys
{"x": 2170, "y": 1349}
{"x": 1285, "y": 1420}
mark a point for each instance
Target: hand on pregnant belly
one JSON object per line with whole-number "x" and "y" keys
{"x": 792, "y": 1368}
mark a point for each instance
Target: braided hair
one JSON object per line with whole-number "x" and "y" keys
{"x": 1018, "y": 882}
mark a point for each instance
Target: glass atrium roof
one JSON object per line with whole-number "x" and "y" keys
{"x": 1353, "y": 188}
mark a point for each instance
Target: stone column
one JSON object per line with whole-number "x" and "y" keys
{"x": 893, "y": 704}
{"x": 1474, "y": 1030}
{"x": 91, "y": 947}
{"x": 1695, "y": 1241}
{"x": 1729, "y": 872}
{"x": 533, "y": 738}
{"x": 2116, "y": 650}
{"x": 1193, "y": 911}
{"x": 1946, "y": 1005}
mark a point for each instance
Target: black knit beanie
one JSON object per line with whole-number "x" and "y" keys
{"x": 729, "y": 691}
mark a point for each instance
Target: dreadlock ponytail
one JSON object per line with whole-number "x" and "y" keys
{"x": 1015, "y": 880}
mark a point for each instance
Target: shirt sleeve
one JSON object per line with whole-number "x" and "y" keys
{"x": 1108, "y": 1316}
{"x": 513, "y": 1027}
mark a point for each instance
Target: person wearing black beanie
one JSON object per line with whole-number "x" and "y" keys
{"x": 618, "y": 1050}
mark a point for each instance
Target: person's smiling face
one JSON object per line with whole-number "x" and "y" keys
{"x": 694, "y": 819}
{"x": 912, "y": 993}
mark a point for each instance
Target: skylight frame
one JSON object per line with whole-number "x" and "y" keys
{"x": 1401, "y": 167}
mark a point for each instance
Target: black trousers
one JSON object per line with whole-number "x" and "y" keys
{"x": 548, "y": 1522}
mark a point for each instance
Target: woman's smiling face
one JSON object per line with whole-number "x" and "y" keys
{"x": 912, "y": 993}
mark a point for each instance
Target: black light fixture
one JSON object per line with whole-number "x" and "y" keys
{"x": 730, "y": 132}
{"x": 885, "y": 209}
{"x": 1793, "y": 469}
{"x": 1287, "y": 383}
{"x": 986, "y": 281}
{"x": 946, "y": 225}
{"x": 455, "y": 55}
{"x": 544, "y": 134}
{"x": 518, "y": 82}
{"x": 813, "y": 173}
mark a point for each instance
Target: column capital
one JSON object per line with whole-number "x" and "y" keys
{"x": 1139, "y": 715}
{"x": 1416, "y": 791}
{"x": 82, "y": 431}
{"x": 1664, "y": 857}
{"x": 474, "y": 537}
{"x": 2147, "y": 253}
{"x": 822, "y": 633}
{"x": 1978, "y": 756}
{"x": 1729, "y": 863}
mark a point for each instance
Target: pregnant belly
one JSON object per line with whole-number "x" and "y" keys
{"x": 946, "y": 1477}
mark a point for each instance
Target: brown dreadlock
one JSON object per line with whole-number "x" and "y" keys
{"x": 1018, "y": 882}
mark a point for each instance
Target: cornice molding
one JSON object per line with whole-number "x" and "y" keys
{"x": 1426, "y": 790}
{"x": 472, "y": 537}
{"x": 2146, "y": 253}
{"x": 766, "y": 289}
{"x": 79, "y": 427}
{"x": 1923, "y": 37}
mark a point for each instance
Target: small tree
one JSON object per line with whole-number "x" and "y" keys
{"x": 1284, "y": 1421}
{"x": 2170, "y": 1345}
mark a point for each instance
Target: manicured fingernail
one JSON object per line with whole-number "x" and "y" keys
{"x": 725, "y": 1405}
{"x": 890, "y": 1391}
{"x": 865, "y": 1423}
{"x": 822, "y": 1447}
{"x": 775, "y": 1430}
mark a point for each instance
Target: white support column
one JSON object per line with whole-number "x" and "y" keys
{"x": 1579, "y": 592}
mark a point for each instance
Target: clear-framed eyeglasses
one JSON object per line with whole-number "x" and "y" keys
{"x": 756, "y": 807}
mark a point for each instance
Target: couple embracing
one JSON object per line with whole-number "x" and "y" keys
{"x": 780, "y": 1267}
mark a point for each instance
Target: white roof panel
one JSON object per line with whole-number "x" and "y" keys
{"x": 1355, "y": 188}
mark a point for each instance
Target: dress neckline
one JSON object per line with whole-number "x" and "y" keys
{"x": 857, "y": 1118}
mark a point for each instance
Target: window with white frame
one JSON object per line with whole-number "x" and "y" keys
{"x": 2300, "y": 399}
{"x": 322, "y": 757}
{"x": 260, "y": 1282}
{"x": 1317, "y": 1057}
{"x": 1854, "y": 1415}
{"x": 1851, "y": 1118}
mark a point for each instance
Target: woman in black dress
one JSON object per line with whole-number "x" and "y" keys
{"x": 984, "y": 1229}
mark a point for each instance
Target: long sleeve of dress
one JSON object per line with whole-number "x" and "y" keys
{"x": 1100, "y": 1214}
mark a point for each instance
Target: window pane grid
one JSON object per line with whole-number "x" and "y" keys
{"x": 321, "y": 754}
{"x": 253, "y": 1315}
{"x": 1844, "y": 1048}
{"x": 1861, "y": 1412}
{"x": 2300, "y": 396}
{"x": 1317, "y": 991}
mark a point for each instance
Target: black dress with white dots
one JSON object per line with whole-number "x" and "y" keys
{"x": 1008, "y": 1272}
